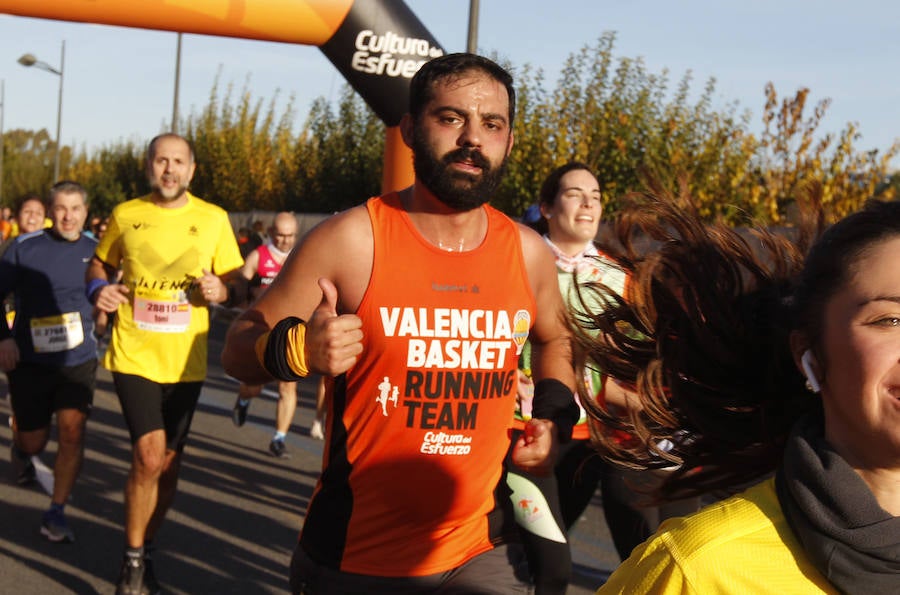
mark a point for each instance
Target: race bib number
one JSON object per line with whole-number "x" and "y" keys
{"x": 52, "y": 334}
{"x": 162, "y": 316}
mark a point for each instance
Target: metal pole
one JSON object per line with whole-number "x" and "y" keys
{"x": 2, "y": 110}
{"x": 62, "y": 69}
{"x": 472, "y": 43}
{"x": 177, "y": 79}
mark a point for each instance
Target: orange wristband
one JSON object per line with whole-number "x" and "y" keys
{"x": 281, "y": 351}
{"x": 260, "y": 348}
{"x": 295, "y": 351}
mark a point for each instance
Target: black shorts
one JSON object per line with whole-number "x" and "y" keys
{"x": 37, "y": 390}
{"x": 502, "y": 570}
{"x": 148, "y": 406}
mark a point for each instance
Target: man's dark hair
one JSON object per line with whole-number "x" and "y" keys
{"x": 421, "y": 89}
{"x": 67, "y": 187}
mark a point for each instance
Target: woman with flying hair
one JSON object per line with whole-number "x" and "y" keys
{"x": 759, "y": 368}
{"x": 570, "y": 208}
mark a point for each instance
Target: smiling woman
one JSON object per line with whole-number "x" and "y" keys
{"x": 731, "y": 329}
{"x": 570, "y": 206}
{"x": 859, "y": 349}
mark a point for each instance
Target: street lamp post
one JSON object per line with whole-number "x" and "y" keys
{"x": 472, "y": 40}
{"x": 30, "y": 60}
{"x": 2, "y": 109}
{"x": 177, "y": 82}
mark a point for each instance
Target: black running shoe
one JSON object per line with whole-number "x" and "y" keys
{"x": 131, "y": 579}
{"x": 277, "y": 448}
{"x": 55, "y": 528}
{"x": 239, "y": 413}
{"x": 149, "y": 576}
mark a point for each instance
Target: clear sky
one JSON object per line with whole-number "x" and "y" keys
{"x": 119, "y": 82}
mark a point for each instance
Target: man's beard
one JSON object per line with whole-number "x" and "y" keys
{"x": 168, "y": 195}
{"x": 457, "y": 190}
{"x": 69, "y": 236}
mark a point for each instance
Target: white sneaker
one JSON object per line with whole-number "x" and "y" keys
{"x": 315, "y": 431}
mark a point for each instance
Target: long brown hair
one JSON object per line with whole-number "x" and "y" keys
{"x": 702, "y": 336}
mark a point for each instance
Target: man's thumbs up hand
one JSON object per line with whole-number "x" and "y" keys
{"x": 333, "y": 342}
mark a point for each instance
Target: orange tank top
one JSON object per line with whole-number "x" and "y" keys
{"x": 422, "y": 421}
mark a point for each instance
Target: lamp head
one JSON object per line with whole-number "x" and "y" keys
{"x": 27, "y": 60}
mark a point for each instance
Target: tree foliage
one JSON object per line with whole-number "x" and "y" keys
{"x": 248, "y": 157}
{"x": 236, "y": 150}
{"x": 339, "y": 160}
{"x": 111, "y": 175}
{"x": 610, "y": 112}
{"x": 627, "y": 123}
{"x": 28, "y": 159}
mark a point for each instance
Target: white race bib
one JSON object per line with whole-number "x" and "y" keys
{"x": 161, "y": 315}
{"x": 52, "y": 334}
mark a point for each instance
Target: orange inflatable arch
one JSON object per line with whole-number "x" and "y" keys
{"x": 376, "y": 44}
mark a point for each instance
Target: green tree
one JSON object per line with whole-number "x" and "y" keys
{"x": 618, "y": 118}
{"x": 626, "y": 123}
{"x": 611, "y": 112}
{"x": 28, "y": 160}
{"x": 789, "y": 155}
{"x": 238, "y": 159}
{"x": 111, "y": 175}
{"x": 339, "y": 160}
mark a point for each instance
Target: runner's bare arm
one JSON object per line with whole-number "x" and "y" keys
{"x": 550, "y": 337}
{"x": 337, "y": 251}
{"x": 551, "y": 364}
{"x": 251, "y": 265}
{"x": 620, "y": 395}
{"x": 241, "y": 286}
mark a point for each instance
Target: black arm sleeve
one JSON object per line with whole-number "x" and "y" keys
{"x": 553, "y": 400}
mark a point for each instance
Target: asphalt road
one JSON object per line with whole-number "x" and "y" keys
{"x": 235, "y": 518}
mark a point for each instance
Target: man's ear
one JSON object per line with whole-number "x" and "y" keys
{"x": 406, "y": 129}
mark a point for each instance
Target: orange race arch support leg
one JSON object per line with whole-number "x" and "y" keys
{"x": 376, "y": 44}
{"x": 398, "y": 162}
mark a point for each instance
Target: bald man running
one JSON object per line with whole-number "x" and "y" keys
{"x": 260, "y": 268}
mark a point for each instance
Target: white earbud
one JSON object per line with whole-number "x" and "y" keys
{"x": 806, "y": 362}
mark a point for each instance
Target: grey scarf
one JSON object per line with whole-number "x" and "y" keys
{"x": 848, "y": 537}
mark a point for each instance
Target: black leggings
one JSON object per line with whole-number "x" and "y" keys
{"x": 566, "y": 495}
{"x": 538, "y": 514}
{"x": 580, "y": 470}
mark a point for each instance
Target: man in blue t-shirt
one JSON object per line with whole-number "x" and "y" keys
{"x": 50, "y": 354}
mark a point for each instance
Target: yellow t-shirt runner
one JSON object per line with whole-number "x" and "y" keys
{"x": 160, "y": 334}
{"x": 739, "y": 545}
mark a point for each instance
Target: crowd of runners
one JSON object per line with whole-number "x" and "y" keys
{"x": 480, "y": 377}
